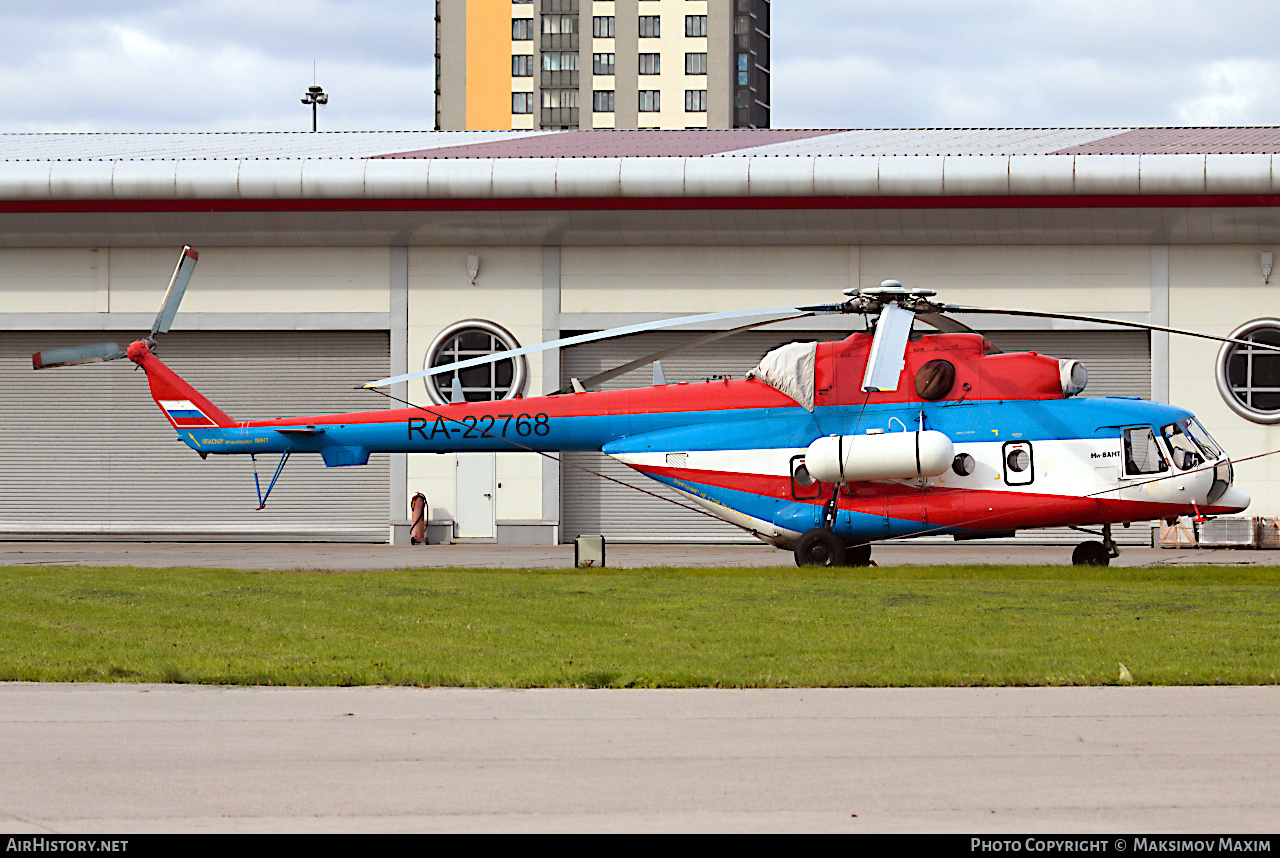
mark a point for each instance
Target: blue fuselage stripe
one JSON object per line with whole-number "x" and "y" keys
{"x": 750, "y": 428}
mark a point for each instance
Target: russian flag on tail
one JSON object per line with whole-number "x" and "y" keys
{"x": 183, "y": 413}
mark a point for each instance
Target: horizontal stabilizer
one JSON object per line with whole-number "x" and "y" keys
{"x": 73, "y": 355}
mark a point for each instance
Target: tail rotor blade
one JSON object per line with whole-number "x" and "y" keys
{"x": 177, "y": 287}
{"x": 73, "y": 355}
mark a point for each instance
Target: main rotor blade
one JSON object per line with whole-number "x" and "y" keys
{"x": 948, "y": 325}
{"x": 888, "y": 349}
{"x": 952, "y": 308}
{"x": 626, "y": 330}
{"x": 72, "y": 355}
{"x": 173, "y": 295}
{"x": 610, "y": 374}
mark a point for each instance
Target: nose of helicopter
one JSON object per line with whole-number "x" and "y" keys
{"x": 1232, "y": 500}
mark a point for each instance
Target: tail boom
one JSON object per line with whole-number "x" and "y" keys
{"x": 182, "y": 404}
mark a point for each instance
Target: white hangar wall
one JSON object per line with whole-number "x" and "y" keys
{"x": 262, "y": 332}
{"x": 508, "y": 292}
{"x": 243, "y": 280}
{"x": 1215, "y": 289}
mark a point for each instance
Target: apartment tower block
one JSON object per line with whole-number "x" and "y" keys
{"x": 560, "y": 64}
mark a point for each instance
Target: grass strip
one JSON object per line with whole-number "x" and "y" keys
{"x": 893, "y": 626}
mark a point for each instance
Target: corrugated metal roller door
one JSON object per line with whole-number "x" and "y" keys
{"x": 1118, "y": 363}
{"x": 87, "y": 451}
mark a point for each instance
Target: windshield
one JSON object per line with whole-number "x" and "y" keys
{"x": 1186, "y": 453}
{"x": 1202, "y": 438}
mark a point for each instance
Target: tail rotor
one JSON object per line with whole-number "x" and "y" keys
{"x": 72, "y": 355}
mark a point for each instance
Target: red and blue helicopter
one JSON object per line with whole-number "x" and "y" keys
{"x": 824, "y": 448}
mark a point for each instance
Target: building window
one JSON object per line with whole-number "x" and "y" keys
{"x": 602, "y": 101}
{"x": 559, "y": 98}
{"x": 650, "y": 64}
{"x": 602, "y": 63}
{"x": 695, "y": 101}
{"x": 522, "y": 102}
{"x": 650, "y": 26}
{"x": 522, "y": 65}
{"x": 695, "y": 63}
{"x": 521, "y": 29}
{"x": 650, "y": 101}
{"x": 461, "y": 341}
{"x": 1249, "y": 377}
{"x": 559, "y": 60}
{"x": 695, "y": 25}
{"x": 744, "y": 68}
{"x": 602, "y": 26}
{"x": 559, "y": 24}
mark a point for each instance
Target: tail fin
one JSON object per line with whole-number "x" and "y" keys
{"x": 185, "y": 407}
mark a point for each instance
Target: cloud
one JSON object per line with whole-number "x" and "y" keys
{"x": 209, "y": 65}
{"x": 217, "y": 66}
{"x": 921, "y": 63}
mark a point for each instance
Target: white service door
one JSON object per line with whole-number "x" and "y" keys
{"x": 474, "y": 491}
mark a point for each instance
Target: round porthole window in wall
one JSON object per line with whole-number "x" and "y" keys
{"x": 1249, "y": 377}
{"x": 472, "y": 338}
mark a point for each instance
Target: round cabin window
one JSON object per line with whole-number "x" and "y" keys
{"x": 1249, "y": 377}
{"x": 501, "y": 379}
{"x": 934, "y": 380}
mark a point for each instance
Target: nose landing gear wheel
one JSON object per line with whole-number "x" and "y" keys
{"x": 820, "y": 547}
{"x": 1091, "y": 553}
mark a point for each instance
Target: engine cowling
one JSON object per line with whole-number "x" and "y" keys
{"x": 891, "y": 456}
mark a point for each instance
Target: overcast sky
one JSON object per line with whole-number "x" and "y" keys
{"x": 235, "y": 65}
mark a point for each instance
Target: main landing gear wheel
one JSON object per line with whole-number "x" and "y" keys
{"x": 1091, "y": 553}
{"x": 820, "y": 547}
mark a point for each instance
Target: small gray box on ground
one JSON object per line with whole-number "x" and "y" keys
{"x": 588, "y": 551}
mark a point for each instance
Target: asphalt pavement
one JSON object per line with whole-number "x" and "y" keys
{"x": 125, "y": 758}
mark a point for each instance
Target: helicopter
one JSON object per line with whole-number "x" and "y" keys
{"x": 823, "y": 449}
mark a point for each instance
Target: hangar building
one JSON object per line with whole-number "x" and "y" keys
{"x": 331, "y": 259}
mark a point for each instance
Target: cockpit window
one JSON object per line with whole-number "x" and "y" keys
{"x": 1202, "y": 438}
{"x": 1186, "y": 453}
{"x": 1142, "y": 453}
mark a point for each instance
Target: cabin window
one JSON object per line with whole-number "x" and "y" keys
{"x": 1019, "y": 464}
{"x": 804, "y": 486}
{"x": 501, "y": 379}
{"x": 934, "y": 380}
{"x": 1142, "y": 454}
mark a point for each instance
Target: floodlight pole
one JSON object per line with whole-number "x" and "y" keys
{"x": 315, "y": 95}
